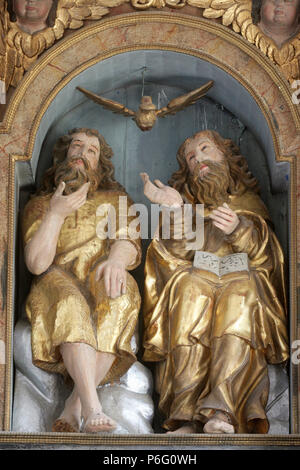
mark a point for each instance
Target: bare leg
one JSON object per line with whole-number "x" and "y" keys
{"x": 81, "y": 362}
{"x": 97, "y": 420}
{"x": 104, "y": 361}
{"x": 70, "y": 418}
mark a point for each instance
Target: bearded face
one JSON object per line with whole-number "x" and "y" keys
{"x": 75, "y": 172}
{"x": 210, "y": 187}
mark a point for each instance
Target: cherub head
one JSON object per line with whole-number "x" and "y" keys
{"x": 33, "y": 15}
{"x": 278, "y": 19}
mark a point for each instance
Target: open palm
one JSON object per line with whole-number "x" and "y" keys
{"x": 159, "y": 193}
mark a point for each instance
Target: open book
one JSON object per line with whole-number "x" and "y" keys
{"x": 235, "y": 262}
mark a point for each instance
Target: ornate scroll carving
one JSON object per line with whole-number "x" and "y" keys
{"x": 20, "y": 49}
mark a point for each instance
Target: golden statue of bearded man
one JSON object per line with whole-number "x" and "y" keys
{"x": 83, "y": 305}
{"x": 210, "y": 336}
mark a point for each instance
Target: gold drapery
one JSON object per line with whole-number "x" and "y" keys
{"x": 66, "y": 304}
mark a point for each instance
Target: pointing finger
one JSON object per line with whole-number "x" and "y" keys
{"x": 114, "y": 287}
{"x": 224, "y": 210}
{"x": 219, "y": 225}
{"x": 145, "y": 177}
{"x": 60, "y": 188}
{"x": 84, "y": 188}
{"x": 107, "y": 282}
{"x": 124, "y": 281}
{"x": 222, "y": 216}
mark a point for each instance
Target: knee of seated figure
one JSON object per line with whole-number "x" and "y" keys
{"x": 243, "y": 287}
{"x": 237, "y": 301}
{"x": 191, "y": 282}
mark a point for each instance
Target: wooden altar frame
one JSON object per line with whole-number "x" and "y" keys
{"x": 113, "y": 36}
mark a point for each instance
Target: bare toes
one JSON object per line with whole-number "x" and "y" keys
{"x": 98, "y": 422}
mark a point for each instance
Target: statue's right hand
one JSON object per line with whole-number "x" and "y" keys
{"x": 160, "y": 193}
{"x": 63, "y": 206}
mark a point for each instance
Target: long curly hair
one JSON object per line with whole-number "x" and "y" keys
{"x": 240, "y": 176}
{"x": 105, "y": 166}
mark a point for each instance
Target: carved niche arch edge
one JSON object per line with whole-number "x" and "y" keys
{"x": 32, "y": 135}
{"x": 263, "y": 107}
{"x": 139, "y": 19}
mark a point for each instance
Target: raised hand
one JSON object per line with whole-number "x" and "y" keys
{"x": 225, "y": 219}
{"x": 160, "y": 193}
{"x": 63, "y": 206}
{"x": 40, "y": 250}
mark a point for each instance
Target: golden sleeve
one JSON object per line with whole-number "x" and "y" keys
{"x": 172, "y": 233}
{"x": 33, "y": 215}
{"x": 127, "y": 226}
{"x": 252, "y": 236}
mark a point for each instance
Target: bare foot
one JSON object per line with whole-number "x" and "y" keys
{"x": 98, "y": 421}
{"x": 219, "y": 424}
{"x": 70, "y": 418}
{"x": 185, "y": 429}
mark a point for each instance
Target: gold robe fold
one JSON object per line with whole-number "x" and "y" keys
{"x": 66, "y": 304}
{"x": 212, "y": 338}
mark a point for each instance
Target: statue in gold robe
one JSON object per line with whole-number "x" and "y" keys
{"x": 212, "y": 337}
{"x": 83, "y": 304}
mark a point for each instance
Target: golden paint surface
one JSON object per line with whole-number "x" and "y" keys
{"x": 212, "y": 337}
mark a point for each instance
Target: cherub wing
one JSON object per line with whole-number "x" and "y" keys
{"x": 113, "y": 106}
{"x": 183, "y": 101}
{"x": 231, "y": 12}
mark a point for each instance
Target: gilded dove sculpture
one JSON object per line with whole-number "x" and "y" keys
{"x": 147, "y": 114}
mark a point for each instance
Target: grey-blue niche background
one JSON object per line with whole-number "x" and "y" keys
{"x": 228, "y": 108}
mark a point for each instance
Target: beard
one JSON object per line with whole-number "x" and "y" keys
{"x": 212, "y": 189}
{"x": 74, "y": 177}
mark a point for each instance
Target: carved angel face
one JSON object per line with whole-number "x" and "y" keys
{"x": 32, "y": 10}
{"x": 280, "y": 12}
{"x": 199, "y": 149}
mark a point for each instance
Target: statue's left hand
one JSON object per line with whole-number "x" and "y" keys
{"x": 114, "y": 274}
{"x": 225, "y": 219}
